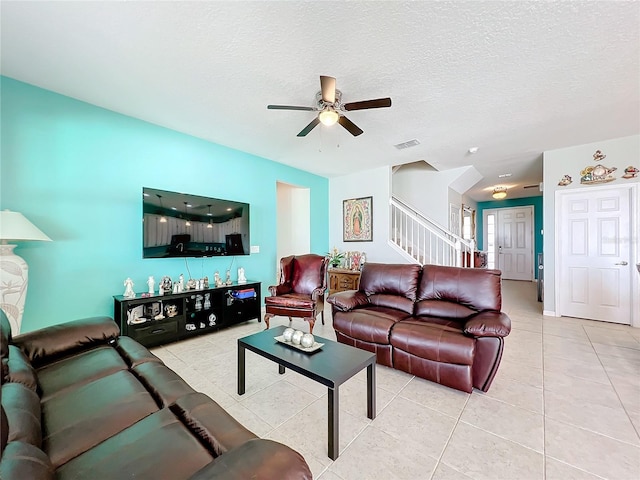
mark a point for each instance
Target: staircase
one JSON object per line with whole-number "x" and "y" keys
{"x": 423, "y": 241}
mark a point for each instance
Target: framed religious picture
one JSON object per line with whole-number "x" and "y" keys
{"x": 357, "y": 220}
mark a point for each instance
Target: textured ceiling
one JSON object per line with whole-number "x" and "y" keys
{"x": 512, "y": 78}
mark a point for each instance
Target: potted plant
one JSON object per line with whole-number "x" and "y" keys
{"x": 335, "y": 257}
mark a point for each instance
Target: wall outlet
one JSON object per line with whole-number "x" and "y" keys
{"x": 255, "y": 248}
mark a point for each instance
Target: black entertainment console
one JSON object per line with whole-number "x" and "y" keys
{"x": 157, "y": 319}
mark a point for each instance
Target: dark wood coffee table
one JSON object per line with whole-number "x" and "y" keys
{"x": 332, "y": 365}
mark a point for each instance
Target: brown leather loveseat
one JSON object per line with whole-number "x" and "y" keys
{"x": 439, "y": 323}
{"x": 81, "y": 402}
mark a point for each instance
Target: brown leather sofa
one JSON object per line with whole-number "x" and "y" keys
{"x": 439, "y": 323}
{"x": 81, "y": 402}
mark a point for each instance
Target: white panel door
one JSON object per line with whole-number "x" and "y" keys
{"x": 515, "y": 243}
{"x": 594, "y": 235}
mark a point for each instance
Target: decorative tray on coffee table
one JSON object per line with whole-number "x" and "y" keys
{"x": 311, "y": 349}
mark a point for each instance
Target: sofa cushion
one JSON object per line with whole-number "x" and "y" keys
{"x": 164, "y": 384}
{"x": 48, "y": 343}
{"x": 468, "y": 290}
{"x": 22, "y": 408}
{"x": 84, "y": 367}
{"x": 80, "y": 418}
{"x": 157, "y": 447}
{"x": 21, "y": 461}
{"x": 389, "y": 281}
{"x": 434, "y": 341}
{"x": 133, "y": 352}
{"x": 211, "y": 423}
{"x": 291, "y": 300}
{"x": 257, "y": 459}
{"x": 19, "y": 370}
{"x": 371, "y": 324}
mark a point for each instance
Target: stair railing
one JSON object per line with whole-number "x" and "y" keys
{"x": 424, "y": 241}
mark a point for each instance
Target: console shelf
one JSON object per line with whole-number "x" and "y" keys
{"x": 159, "y": 319}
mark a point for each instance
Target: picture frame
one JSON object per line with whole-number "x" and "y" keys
{"x": 357, "y": 219}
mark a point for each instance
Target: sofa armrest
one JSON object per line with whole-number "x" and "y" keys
{"x": 258, "y": 459}
{"x": 348, "y": 300}
{"x": 281, "y": 289}
{"x": 488, "y": 324}
{"x": 57, "y": 340}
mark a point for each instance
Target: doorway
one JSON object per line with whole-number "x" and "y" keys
{"x": 508, "y": 240}
{"x": 594, "y": 253}
{"x": 293, "y": 220}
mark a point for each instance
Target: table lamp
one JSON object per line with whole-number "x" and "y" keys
{"x": 13, "y": 269}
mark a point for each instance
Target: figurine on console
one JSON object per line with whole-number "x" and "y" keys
{"x": 151, "y": 282}
{"x": 241, "y": 277}
{"x": 166, "y": 285}
{"x": 217, "y": 280}
{"x": 128, "y": 291}
{"x": 228, "y": 279}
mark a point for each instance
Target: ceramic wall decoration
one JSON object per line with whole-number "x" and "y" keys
{"x": 564, "y": 181}
{"x": 630, "y": 172}
{"x": 597, "y": 173}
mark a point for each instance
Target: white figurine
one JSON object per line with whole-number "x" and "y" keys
{"x": 151, "y": 283}
{"x": 217, "y": 281}
{"x": 128, "y": 291}
{"x": 181, "y": 282}
{"x": 228, "y": 279}
{"x": 241, "y": 277}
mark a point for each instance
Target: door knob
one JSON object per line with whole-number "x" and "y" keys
{"x": 622, "y": 263}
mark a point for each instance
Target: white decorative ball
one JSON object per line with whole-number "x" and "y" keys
{"x": 287, "y": 334}
{"x": 297, "y": 336}
{"x": 307, "y": 340}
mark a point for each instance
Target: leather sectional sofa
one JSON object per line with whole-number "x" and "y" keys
{"x": 81, "y": 402}
{"x": 440, "y": 323}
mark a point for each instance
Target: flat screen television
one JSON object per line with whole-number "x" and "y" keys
{"x": 181, "y": 225}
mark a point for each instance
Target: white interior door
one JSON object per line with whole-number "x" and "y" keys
{"x": 594, "y": 236}
{"x": 515, "y": 243}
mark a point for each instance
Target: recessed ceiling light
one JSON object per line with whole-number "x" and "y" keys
{"x": 504, "y": 175}
{"x": 473, "y": 150}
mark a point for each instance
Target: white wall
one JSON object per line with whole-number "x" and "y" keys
{"x": 620, "y": 152}
{"x": 377, "y": 184}
{"x": 431, "y": 191}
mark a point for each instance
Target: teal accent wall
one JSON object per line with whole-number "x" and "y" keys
{"x": 514, "y": 202}
{"x": 76, "y": 171}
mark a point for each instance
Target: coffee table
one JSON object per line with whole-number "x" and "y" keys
{"x": 332, "y": 365}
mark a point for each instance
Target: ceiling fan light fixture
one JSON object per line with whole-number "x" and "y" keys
{"x": 328, "y": 117}
{"x": 499, "y": 193}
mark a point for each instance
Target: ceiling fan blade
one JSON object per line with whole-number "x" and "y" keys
{"x": 289, "y": 107}
{"x": 328, "y": 86}
{"x": 349, "y": 125}
{"x": 308, "y": 128}
{"x": 377, "y": 103}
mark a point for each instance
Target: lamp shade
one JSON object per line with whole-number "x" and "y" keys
{"x": 14, "y": 226}
{"x": 499, "y": 193}
{"x": 328, "y": 117}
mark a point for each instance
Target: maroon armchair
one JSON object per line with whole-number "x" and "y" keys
{"x": 300, "y": 293}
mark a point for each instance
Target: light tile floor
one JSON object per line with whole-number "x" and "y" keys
{"x": 565, "y": 404}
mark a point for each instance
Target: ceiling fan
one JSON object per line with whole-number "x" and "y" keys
{"x": 330, "y": 108}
